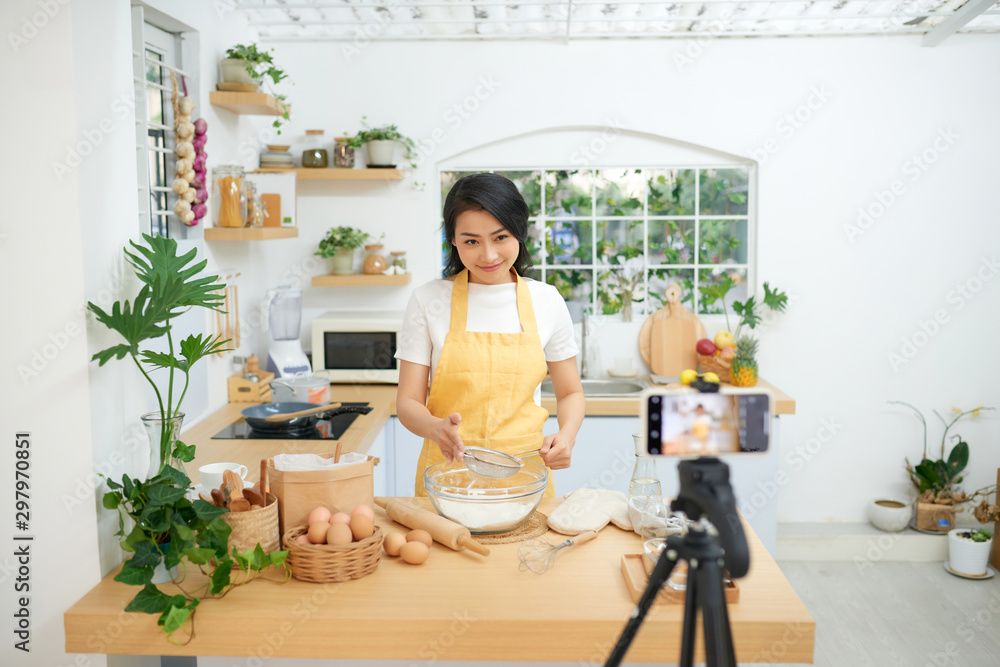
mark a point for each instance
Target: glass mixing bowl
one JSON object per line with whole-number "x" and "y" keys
{"x": 485, "y": 505}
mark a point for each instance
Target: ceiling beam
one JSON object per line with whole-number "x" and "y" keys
{"x": 956, "y": 21}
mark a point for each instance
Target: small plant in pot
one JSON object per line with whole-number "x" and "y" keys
{"x": 381, "y": 144}
{"x": 937, "y": 480}
{"x": 969, "y": 551}
{"x": 339, "y": 245}
{"x": 252, "y": 67}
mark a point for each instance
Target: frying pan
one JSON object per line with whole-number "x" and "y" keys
{"x": 256, "y": 416}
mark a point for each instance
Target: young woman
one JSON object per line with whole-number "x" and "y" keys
{"x": 484, "y": 338}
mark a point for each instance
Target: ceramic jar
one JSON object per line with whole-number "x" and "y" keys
{"x": 890, "y": 515}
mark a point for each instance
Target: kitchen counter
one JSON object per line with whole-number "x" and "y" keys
{"x": 456, "y": 606}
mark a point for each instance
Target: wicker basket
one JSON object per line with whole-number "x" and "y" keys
{"x": 325, "y": 563}
{"x": 255, "y": 526}
{"x": 715, "y": 365}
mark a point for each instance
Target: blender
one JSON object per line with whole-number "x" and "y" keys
{"x": 283, "y": 316}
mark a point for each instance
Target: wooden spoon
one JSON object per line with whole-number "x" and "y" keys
{"x": 336, "y": 453}
{"x": 218, "y": 498}
{"x": 285, "y": 416}
{"x": 263, "y": 478}
{"x": 254, "y": 496}
{"x": 237, "y": 503}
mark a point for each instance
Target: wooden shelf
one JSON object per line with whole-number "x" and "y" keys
{"x": 337, "y": 174}
{"x": 250, "y": 233}
{"x": 254, "y": 104}
{"x": 360, "y": 280}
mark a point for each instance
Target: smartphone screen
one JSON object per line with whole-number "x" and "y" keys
{"x": 692, "y": 424}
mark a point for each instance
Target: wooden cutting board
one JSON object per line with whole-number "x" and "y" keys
{"x": 668, "y": 337}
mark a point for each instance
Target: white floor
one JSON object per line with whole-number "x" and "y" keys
{"x": 897, "y": 613}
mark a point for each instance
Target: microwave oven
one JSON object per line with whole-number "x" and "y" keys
{"x": 357, "y": 346}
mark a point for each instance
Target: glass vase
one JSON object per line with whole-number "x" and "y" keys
{"x": 163, "y": 434}
{"x": 627, "y": 307}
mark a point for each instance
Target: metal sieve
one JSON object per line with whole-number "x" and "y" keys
{"x": 493, "y": 464}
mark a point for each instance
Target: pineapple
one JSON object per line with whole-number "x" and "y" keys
{"x": 744, "y": 366}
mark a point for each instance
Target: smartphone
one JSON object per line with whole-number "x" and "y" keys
{"x": 689, "y": 424}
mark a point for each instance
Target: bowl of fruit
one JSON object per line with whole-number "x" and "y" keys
{"x": 733, "y": 360}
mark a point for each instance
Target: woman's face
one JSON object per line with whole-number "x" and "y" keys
{"x": 487, "y": 248}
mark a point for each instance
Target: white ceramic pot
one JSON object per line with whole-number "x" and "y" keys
{"x": 342, "y": 262}
{"x": 381, "y": 152}
{"x": 889, "y": 514}
{"x": 966, "y": 556}
{"x": 234, "y": 70}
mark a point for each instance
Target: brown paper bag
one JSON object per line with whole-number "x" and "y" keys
{"x": 299, "y": 492}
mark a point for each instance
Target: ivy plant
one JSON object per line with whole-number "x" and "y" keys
{"x": 261, "y": 68}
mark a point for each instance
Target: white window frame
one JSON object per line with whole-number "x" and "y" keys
{"x": 649, "y": 304}
{"x": 179, "y": 44}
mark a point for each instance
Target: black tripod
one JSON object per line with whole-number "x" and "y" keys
{"x": 705, "y": 496}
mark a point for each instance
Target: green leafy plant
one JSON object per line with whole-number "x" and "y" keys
{"x": 384, "y": 133}
{"x": 747, "y": 310}
{"x": 937, "y": 479}
{"x": 169, "y": 528}
{"x": 261, "y": 68}
{"x": 980, "y": 535}
{"x": 170, "y": 285}
{"x": 341, "y": 237}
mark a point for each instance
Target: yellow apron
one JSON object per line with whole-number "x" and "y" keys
{"x": 490, "y": 380}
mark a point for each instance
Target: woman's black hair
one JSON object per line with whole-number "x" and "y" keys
{"x": 498, "y": 196}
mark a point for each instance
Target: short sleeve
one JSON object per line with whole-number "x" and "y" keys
{"x": 562, "y": 345}
{"x": 414, "y": 344}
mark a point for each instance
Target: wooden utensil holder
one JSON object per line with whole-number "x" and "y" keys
{"x": 253, "y": 527}
{"x": 242, "y": 390}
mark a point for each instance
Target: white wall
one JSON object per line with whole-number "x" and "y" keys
{"x": 875, "y": 102}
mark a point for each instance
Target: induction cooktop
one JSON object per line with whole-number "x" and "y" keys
{"x": 326, "y": 429}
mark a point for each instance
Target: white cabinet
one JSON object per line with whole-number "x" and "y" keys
{"x": 382, "y": 474}
{"x": 406, "y": 451}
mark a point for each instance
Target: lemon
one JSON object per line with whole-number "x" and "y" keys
{"x": 710, "y": 377}
{"x": 688, "y": 376}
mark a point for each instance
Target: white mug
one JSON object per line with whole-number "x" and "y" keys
{"x": 211, "y": 474}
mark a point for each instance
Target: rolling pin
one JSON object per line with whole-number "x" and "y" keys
{"x": 445, "y": 532}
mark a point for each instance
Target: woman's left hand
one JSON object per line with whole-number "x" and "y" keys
{"x": 556, "y": 450}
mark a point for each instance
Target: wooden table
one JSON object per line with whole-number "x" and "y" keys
{"x": 456, "y": 606}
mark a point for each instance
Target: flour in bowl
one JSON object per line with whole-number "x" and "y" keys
{"x": 502, "y": 516}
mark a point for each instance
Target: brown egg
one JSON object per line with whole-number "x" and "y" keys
{"x": 364, "y": 509}
{"x": 420, "y": 535}
{"x": 319, "y": 514}
{"x": 393, "y": 542}
{"x": 361, "y": 527}
{"x": 317, "y": 532}
{"x": 414, "y": 553}
{"x": 339, "y": 534}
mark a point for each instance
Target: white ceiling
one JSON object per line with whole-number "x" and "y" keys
{"x": 410, "y": 20}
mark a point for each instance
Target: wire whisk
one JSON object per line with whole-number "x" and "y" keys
{"x": 538, "y": 554}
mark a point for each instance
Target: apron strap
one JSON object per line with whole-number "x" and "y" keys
{"x": 460, "y": 304}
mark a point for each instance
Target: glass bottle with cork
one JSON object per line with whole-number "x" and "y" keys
{"x": 314, "y": 154}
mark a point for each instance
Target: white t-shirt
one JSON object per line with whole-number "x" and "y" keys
{"x": 491, "y": 308}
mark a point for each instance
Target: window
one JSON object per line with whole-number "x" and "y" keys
{"x": 601, "y": 236}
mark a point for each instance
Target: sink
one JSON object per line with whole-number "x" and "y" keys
{"x": 605, "y": 387}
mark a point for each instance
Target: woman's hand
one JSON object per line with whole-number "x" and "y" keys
{"x": 556, "y": 450}
{"x": 445, "y": 434}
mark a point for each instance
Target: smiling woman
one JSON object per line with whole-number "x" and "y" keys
{"x": 484, "y": 337}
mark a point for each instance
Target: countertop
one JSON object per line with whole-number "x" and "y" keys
{"x": 456, "y": 606}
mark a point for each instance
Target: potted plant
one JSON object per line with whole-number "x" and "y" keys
{"x": 170, "y": 286}
{"x": 381, "y": 144}
{"x": 339, "y": 245}
{"x": 250, "y": 66}
{"x": 969, "y": 551}
{"x": 937, "y": 480}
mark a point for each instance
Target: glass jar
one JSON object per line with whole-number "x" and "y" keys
{"x": 398, "y": 260}
{"x": 314, "y": 155}
{"x": 645, "y": 480}
{"x": 343, "y": 155}
{"x": 255, "y": 208}
{"x": 374, "y": 260}
{"x": 230, "y": 195}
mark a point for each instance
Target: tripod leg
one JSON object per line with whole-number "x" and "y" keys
{"x": 718, "y": 635}
{"x": 664, "y": 566}
{"x": 691, "y": 605}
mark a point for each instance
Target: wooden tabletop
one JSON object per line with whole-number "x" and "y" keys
{"x": 456, "y": 606}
